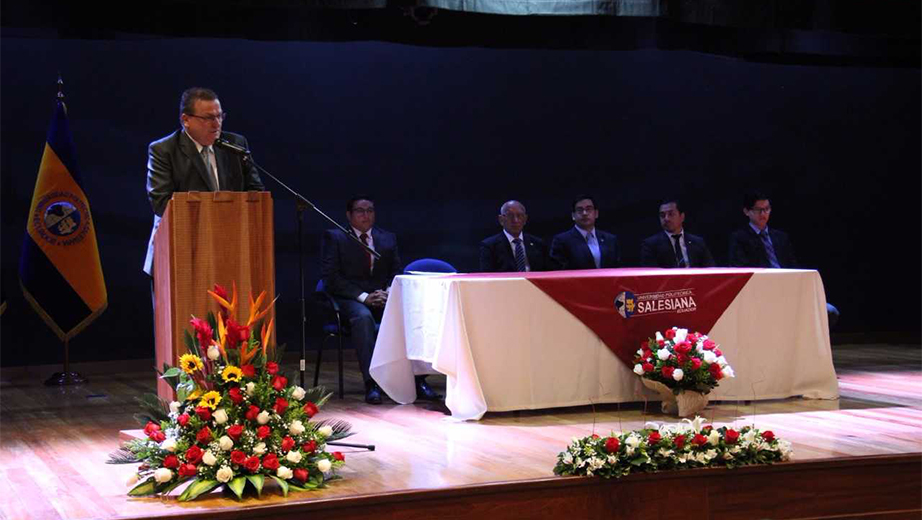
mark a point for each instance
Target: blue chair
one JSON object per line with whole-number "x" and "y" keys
{"x": 332, "y": 327}
{"x": 429, "y": 265}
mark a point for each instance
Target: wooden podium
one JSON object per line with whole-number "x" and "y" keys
{"x": 208, "y": 238}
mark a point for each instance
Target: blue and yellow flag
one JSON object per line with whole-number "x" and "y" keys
{"x": 59, "y": 270}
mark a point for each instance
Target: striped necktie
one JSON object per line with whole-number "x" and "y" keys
{"x": 519, "y": 255}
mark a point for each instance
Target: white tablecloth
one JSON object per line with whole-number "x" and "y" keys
{"x": 505, "y": 345}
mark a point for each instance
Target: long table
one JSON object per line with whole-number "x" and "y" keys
{"x": 522, "y": 341}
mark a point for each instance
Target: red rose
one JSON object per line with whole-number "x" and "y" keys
{"x": 683, "y": 347}
{"x": 273, "y": 368}
{"x": 158, "y": 436}
{"x": 715, "y": 371}
{"x": 695, "y": 363}
{"x": 150, "y": 428}
{"x": 661, "y": 342}
{"x": 709, "y": 345}
{"x": 194, "y": 454}
{"x": 595, "y": 436}
{"x": 717, "y": 352}
{"x": 648, "y": 367}
{"x": 699, "y": 440}
{"x": 252, "y": 464}
{"x": 679, "y": 441}
{"x": 338, "y": 455}
{"x": 707, "y": 428}
{"x": 183, "y": 419}
{"x": 768, "y": 435}
{"x": 280, "y": 405}
{"x": 279, "y": 383}
{"x": 203, "y": 436}
{"x": 669, "y": 334}
{"x": 263, "y": 431}
{"x": 235, "y": 431}
{"x": 287, "y": 443}
{"x": 235, "y": 395}
{"x": 731, "y": 436}
{"x": 693, "y": 337}
{"x": 170, "y": 461}
{"x": 252, "y": 412}
{"x": 238, "y": 457}
{"x": 187, "y": 470}
{"x": 612, "y": 444}
{"x": 311, "y": 447}
{"x": 310, "y": 409}
{"x": 682, "y": 358}
{"x": 301, "y": 474}
{"x": 646, "y": 354}
{"x": 654, "y": 438}
{"x": 202, "y": 331}
{"x": 203, "y": 413}
{"x": 248, "y": 371}
{"x": 271, "y": 462}
{"x": 667, "y": 372}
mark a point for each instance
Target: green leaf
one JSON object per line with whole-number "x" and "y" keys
{"x": 282, "y": 484}
{"x": 172, "y": 485}
{"x": 198, "y": 487}
{"x": 171, "y": 372}
{"x": 237, "y": 485}
{"x": 146, "y": 488}
{"x": 257, "y": 481}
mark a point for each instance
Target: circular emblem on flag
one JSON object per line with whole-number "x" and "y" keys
{"x": 625, "y": 304}
{"x": 61, "y": 218}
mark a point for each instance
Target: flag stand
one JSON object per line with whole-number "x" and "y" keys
{"x": 66, "y": 378}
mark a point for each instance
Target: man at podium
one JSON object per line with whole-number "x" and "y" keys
{"x": 187, "y": 159}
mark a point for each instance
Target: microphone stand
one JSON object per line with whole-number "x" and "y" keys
{"x": 301, "y": 203}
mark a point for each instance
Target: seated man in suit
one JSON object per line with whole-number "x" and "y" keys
{"x": 360, "y": 283}
{"x": 583, "y": 246}
{"x": 674, "y": 247}
{"x": 512, "y": 250}
{"x": 757, "y": 245}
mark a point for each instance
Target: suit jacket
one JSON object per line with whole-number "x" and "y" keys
{"x": 747, "y": 249}
{"x": 569, "y": 250}
{"x": 344, "y": 264}
{"x": 174, "y": 164}
{"x": 497, "y": 256}
{"x": 657, "y": 251}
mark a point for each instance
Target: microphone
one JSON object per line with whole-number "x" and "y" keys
{"x": 224, "y": 144}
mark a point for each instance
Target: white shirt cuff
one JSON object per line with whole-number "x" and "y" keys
{"x": 361, "y": 297}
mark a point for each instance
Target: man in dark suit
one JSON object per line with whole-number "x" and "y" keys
{"x": 757, "y": 245}
{"x": 674, "y": 247}
{"x": 359, "y": 283}
{"x": 583, "y": 246}
{"x": 186, "y": 160}
{"x": 512, "y": 250}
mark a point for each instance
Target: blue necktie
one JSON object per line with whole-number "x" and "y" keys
{"x": 769, "y": 249}
{"x": 679, "y": 259}
{"x": 594, "y": 249}
{"x": 519, "y": 254}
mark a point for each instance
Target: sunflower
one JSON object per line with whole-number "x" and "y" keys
{"x": 211, "y": 400}
{"x": 190, "y": 363}
{"x": 231, "y": 373}
{"x": 194, "y": 395}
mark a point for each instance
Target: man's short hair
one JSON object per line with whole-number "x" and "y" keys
{"x": 751, "y": 197}
{"x": 190, "y": 96}
{"x": 583, "y": 197}
{"x": 674, "y": 200}
{"x": 357, "y": 198}
{"x": 508, "y": 203}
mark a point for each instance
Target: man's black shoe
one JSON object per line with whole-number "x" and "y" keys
{"x": 373, "y": 394}
{"x": 424, "y": 392}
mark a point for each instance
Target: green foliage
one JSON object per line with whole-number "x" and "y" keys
{"x": 341, "y": 428}
{"x": 153, "y": 409}
{"x": 282, "y": 484}
{"x": 143, "y": 489}
{"x": 198, "y": 487}
{"x": 122, "y": 456}
{"x": 257, "y": 482}
{"x": 236, "y": 485}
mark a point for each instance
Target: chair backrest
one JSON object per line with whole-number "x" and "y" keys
{"x": 429, "y": 265}
{"x": 319, "y": 285}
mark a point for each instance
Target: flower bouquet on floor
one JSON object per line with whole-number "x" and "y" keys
{"x": 236, "y": 421}
{"x": 683, "y": 367}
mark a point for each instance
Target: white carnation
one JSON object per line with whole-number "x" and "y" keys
{"x": 162, "y": 475}
{"x": 226, "y": 443}
{"x": 220, "y": 416}
{"x": 325, "y": 430}
{"x": 324, "y": 465}
{"x": 680, "y": 335}
{"x": 209, "y": 458}
{"x": 678, "y": 374}
{"x": 284, "y": 473}
{"x": 638, "y": 369}
{"x": 663, "y": 354}
{"x": 296, "y": 428}
{"x": 263, "y": 417}
{"x": 225, "y": 474}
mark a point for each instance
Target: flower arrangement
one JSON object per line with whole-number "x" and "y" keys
{"x": 235, "y": 421}
{"x": 681, "y": 361}
{"x": 689, "y": 444}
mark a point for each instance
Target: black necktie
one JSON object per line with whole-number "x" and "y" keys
{"x": 679, "y": 259}
{"x": 769, "y": 249}
{"x": 519, "y": 254}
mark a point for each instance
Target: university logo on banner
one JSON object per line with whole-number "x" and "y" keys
{"x": 677, "y": 302}
{"x": 60, "y": 271}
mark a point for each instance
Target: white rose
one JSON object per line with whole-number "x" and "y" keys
{"x": 680, "y": 335}
{"x": 659, "y": 336}
{"x": 132, "y": 480}
{"x": 251, "y": 388}
{"x": 325, "y": 430}
{"x": 296, "y": 428}
{"x": 226, "y": 443}
{"x": 162, "y": 475}
{"x": 174, "y": 407}
{"x": 677, "y": 374}
{"x": 324, "y": 465}
{"x": 710, "y": 357}
{"x": 220, "y": 416}
{"x": 168, "y": 445}
{"x": 283, "y": 473}
{"x": 727, "y": 371}
{"x": 298, "y": 393}
{"x": 259, "y": 449}
{"x": 663, "y": 354}
{"x": 209, "y": 458}
{"x": 213, "y": 353}
{"x": 293, "y": 456}
{"x": 263, "y": 417}
{"x": 638, "y": 369}
{"x": 714, "y": 438}
{"x": 225, "y": 474}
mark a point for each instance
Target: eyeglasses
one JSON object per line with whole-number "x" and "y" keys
{"x": 211, "y": 118}
{"x": 762, "y": 211}
{"x": 587, "y": 209}
{"x": 363, "y": 211}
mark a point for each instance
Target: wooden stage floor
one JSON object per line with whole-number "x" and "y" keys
{"x": 54, "y": 442}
